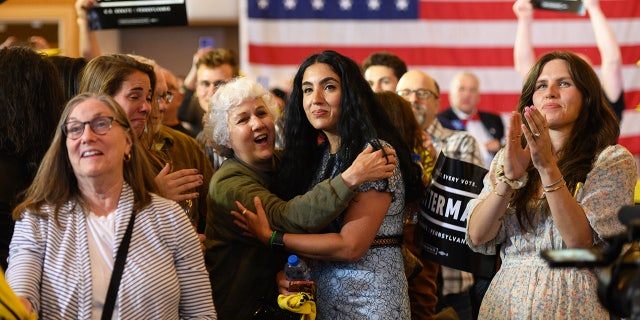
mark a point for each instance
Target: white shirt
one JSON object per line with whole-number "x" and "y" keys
{"x": 101, "y": 237}
{"x": 477, "y": 130}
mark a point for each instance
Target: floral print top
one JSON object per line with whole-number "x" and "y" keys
{"x": 525, "y": 287}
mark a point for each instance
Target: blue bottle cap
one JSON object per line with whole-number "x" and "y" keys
{"x": 293, "y": 260}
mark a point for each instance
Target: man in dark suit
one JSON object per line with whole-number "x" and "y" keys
{"x": 487, "y": 128}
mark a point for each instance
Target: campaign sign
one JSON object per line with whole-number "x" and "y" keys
{"x": 115, "y": 14}
{"x": 442, "y": 221}
{"x": 572, "y": 6}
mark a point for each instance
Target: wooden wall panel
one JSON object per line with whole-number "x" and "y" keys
{"x": 61, "y": 11}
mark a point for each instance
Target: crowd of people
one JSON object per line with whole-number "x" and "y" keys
{"x": 131, "y": 192}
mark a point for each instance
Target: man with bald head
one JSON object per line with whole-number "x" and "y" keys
{"x": 422, "y": 91}
{"x": 463, "y": 114}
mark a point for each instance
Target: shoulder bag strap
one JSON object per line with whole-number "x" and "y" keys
{"x": 116, "y": 275}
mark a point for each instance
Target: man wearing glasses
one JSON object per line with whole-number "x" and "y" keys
{"x": 211, "y": 68}
{"x": 174, "y": 100}
{"x": 423, "y": 93}
{"x": 177, "y": 155}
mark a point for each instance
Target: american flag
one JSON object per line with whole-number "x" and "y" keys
{"x": 441, "y": 37}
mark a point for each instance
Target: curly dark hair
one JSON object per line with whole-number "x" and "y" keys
{"x": 385, "y": 59}
{"x": 362, "y": 121}
{"x": 31, "y": 98}
{"x": 595, "y": 129}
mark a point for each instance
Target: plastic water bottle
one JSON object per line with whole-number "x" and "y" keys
{"x": 296, "y": 269}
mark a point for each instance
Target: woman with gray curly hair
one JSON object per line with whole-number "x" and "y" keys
{"x": 242, "y": 270}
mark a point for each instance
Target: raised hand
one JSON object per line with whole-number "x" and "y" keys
{"x": 516, "y": 158}
{"x": 523, "y": 9}
{"x": 83, "y": 5}
{"x": 538, "y": 140}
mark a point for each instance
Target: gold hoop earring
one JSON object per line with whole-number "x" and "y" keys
{"x": 127, "y": 157}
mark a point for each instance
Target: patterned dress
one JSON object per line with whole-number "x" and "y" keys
{"x": 375, "y": 286}
{"x": 525, "y": 287}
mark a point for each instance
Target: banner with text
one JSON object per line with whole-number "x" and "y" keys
{"x": 442, "y": 222}
{"x": 115, "y": 14}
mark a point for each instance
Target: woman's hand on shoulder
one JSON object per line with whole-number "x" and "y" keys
{"x": 370, "y": 166}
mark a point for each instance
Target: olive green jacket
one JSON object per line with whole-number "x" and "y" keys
{"x": 242, "y": 270}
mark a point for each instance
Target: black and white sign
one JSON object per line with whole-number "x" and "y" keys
{"x": 115, "y": 14}
{"x": 441, "y": 228}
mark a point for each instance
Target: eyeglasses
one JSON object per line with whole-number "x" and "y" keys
{"x": 167, "y": 97}
{"x": 420, "y": 93}
{"x": 216, "y": 84}
{"x": 99, "y": 125}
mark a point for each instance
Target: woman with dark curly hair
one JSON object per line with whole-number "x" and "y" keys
{"x": 357, "y": 261}
{"x": 557, "y": 184}
{"x": 31, "y": 100}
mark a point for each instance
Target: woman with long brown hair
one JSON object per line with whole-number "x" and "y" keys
{"x": 557, "y": 184}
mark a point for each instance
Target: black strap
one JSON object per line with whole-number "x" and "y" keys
{"x": 116, "y": 275}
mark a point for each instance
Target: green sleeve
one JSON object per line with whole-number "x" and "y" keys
{"x": 307, "y": 213}
{"x": 310, "y": 212}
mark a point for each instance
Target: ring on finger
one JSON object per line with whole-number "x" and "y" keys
{"x": 536, "y": 134}
{"x": 244, "y": 211}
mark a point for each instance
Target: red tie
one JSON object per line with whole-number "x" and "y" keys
{"x": 475, "y": 116}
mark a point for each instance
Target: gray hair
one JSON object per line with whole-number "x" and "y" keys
{"x": 227, "y": 97}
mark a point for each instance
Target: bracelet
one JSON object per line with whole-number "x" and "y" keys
{"x": 277, "y": 240}
{"x": 553, "y": 184}
{"x": 514, "y": 184}
{"x": 273, "y": 235}
{"x": 558, "y": 187}
{"x": 497, "y": 194}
